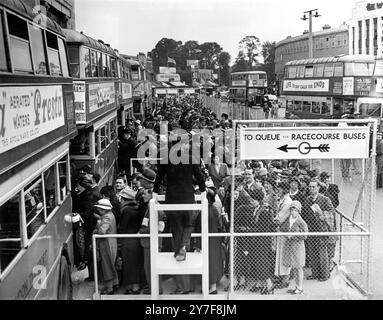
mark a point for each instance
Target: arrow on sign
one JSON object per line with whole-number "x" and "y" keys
{"x": 305, "y": 148}
{"x": 322, "y": 148}
{"x": 285, "y": 148}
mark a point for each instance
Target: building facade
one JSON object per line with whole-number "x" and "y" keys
{"x": 366, "y": 29}
{"x": 326, "y": 43}
{"x": 61, "y": 11}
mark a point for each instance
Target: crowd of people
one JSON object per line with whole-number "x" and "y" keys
{"x": 269, "y": 197}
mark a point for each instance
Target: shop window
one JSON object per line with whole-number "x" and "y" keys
{"x": 3, "y": 60}
{"x": 38, "y": 49}
{"x": 80, "y": 145}
{"x": 63, "y": 178}
{"x": 34, "y": 206}
{"x": 63, "y": 58}
{"x": 19, "y": 44}
{"x": 53, "y": 54}
{"x": 50, "y": 184}
{"x": 10, "y": 236}
{"x": 74, "y": 61}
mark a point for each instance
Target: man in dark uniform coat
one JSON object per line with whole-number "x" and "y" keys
{"x": 180, "y": 190}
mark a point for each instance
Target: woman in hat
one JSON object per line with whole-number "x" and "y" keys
{"x": 260, "y": 250}
{"x": 131, "y": 250}
{"x": 107, "y": 248}
{"x": 281, "y": 271}
{"x": 294, "y": 252}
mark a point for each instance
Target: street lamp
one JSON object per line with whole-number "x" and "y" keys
{"x": 316, "y": 15}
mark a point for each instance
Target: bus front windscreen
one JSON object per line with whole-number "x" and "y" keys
{"x": 371, "y": 109}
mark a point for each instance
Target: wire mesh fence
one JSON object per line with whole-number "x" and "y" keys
{"x": 326, "y": 208}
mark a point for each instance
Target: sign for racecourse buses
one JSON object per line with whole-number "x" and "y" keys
{"x": 27, "y": 113}
{"x": 79, "y": 101}
{"x": 349, "y": 142}
{"x": 306, "y": 85}
{"x": 101, "y": 95}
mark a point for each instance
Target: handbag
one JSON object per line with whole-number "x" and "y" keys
{"x": 79, "y": 276}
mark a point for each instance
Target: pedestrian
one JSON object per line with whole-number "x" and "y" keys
{"x": 319, "y": 214}
{"x": 379, "y": 161}
{"x": 294, "y": 252}
{"x": 281, "y": 271}
{"x": 145, "y": 242}
{"x": 107, "y": 247}
{"x": 131, "y": 250}
{"x": 260, "y": 248}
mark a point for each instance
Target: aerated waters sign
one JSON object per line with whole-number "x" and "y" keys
{"x": 304, "y": 143}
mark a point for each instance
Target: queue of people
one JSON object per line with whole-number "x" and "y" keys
{"x": 269, "y": 197}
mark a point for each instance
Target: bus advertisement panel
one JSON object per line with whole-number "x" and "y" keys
{"x": 79, "y": 101}
{"x": 29, "y": 112}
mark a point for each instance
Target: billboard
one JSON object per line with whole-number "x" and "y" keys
{"x": 166, "y": 70}
{"x": 190, "y": 63}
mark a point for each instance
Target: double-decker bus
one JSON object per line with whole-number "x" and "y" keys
{"x": 248, "y": 87}
{"x": 124, "y": 90}
{"x": 36, "y": 125}
{"x": 96, "y": 81}
{"x": 372, "y": 106}
{"x": 329, "y": 87}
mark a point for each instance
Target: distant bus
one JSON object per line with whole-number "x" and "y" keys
{"x": 331, "y": 87}
{"x": 96, "y": 83}
{"x": 248, "y": 87}
{"x": 36, "y": 124}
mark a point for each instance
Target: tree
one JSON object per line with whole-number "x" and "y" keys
{"x": 224, "y": 68}
{"x": 268, "y": 53}
{"x": 240, "y": 63}
{"x": 209, "y": 54}
{"x": 164, "y": 48}
{"x": 250, "y": 48}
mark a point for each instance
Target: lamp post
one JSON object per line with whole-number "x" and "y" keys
{"x": 310, "y": 18}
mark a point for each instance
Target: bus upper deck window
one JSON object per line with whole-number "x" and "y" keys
{"x": 38, "y": 49}
{"x": 3, "y": 60}
{"x": 9, "y": 230}
{"x": 328, "y": 70}
{"x": 19, "y": 44}
{"x": 74, "y": 61}
{"x": 63, "y": 58}
{"x": 318, "y": 70}
{"x": 53, "y": 54}
{"x": 94, "y": 62}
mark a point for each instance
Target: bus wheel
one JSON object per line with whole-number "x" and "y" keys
{"x": 65, "y": 289}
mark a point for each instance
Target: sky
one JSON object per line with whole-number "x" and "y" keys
{"x": 133, "y": 26}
